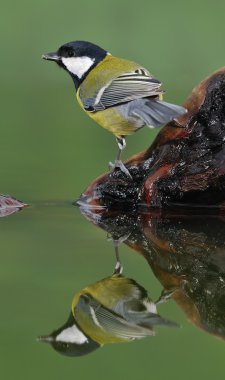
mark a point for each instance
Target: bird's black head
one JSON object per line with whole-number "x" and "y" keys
{"x": 77, "y": 58}
{"x": 69, "y": 340}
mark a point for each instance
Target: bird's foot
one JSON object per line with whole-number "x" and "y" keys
{"x": 118, "y": 241}
{"x": 121, "y": 166}
{"x": 118, "y": 268}
{"x": 165, "y": 296}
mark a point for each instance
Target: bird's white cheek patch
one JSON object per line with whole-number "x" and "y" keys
{"x": 78, "y": 65}
{"x": 71, "y": 335}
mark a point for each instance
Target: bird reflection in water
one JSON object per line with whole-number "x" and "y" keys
{"x": 115, "y": 309}
{"x": 186, "y": 252}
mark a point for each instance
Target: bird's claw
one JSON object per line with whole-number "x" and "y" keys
{"x": 118, "y": 268}
{"x": 111, "y": 166}
{"x": 165, "y": 296}
{"x": 121, "y": 166}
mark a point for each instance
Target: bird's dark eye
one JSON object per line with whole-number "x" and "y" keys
{"x": 71, "y": 53}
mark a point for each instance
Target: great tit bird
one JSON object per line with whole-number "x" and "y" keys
{"x": 113, "y": 310}
{"x": 120, "y": 95}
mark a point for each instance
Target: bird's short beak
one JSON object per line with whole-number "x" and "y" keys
{"x": 51, "y": 57}
{"x": 45, "y": 339}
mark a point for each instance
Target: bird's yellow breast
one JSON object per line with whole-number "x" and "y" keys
{"x": 112, "y": 120}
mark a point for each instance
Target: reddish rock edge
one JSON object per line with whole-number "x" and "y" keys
{"x": 184, "y": 166}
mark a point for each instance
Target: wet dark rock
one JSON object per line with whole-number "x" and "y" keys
{"x": 185, "y": 165}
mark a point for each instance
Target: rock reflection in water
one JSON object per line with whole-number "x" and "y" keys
{"x": 186, "y": 254}
{"x": 115, "y": 309}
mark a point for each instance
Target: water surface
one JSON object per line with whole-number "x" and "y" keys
{"x": 50, "y": 251}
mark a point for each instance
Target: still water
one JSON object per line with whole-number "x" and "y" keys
{"x": 175, "y": 263}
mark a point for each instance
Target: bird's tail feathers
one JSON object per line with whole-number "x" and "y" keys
{"x": 155, "y": 113}
{"x": 156, "y": 320}
{"x": 149, "y": 320}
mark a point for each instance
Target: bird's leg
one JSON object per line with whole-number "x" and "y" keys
{"x": 118, "y": 267}
{"x": 118, "y": 163}
{"x": 116, "y": 242}
{"x": 122, "y": 145}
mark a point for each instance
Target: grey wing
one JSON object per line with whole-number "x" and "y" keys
{"x": 123, "y": 89}
{"x": 111, "y": 322}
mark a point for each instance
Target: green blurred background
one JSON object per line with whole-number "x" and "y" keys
{"x": 50, "y": 151}
{"x": 49, "y": 148}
